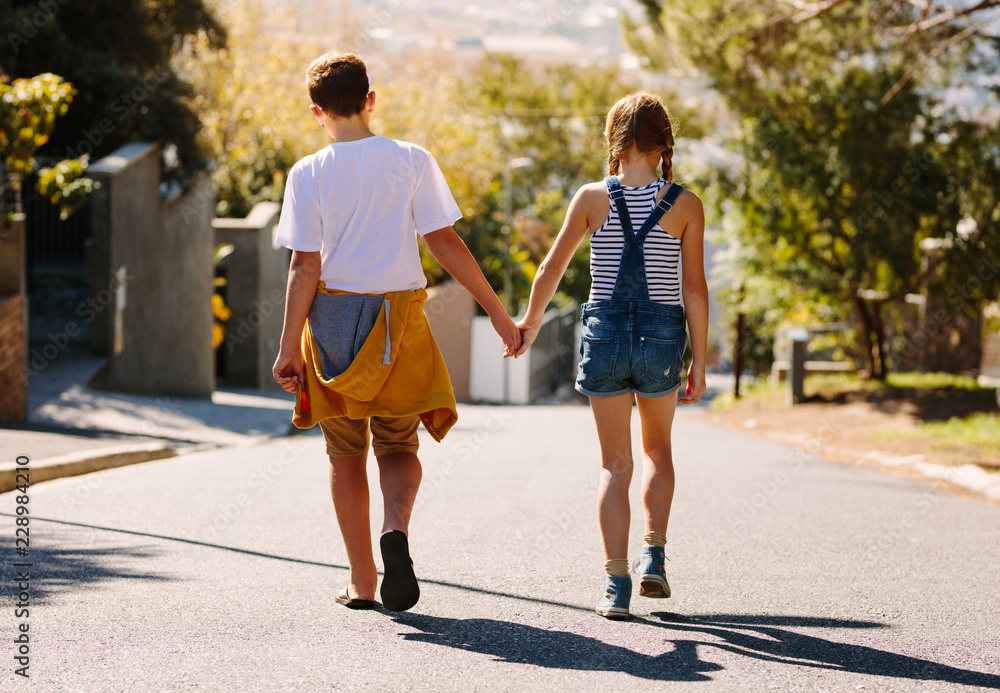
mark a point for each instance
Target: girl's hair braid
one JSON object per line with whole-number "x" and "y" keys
{"x": 639, "y": 119}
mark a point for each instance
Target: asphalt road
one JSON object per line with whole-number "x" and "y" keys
{"x": 217, "y": 571}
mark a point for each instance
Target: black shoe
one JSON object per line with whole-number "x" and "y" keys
{"x": 400, "y": 590}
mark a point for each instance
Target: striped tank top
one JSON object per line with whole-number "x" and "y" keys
{"x": 662, "y": 251}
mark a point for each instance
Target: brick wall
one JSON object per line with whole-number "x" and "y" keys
{"x": 13, "y": 392}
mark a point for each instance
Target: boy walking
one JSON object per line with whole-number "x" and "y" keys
{"x": 355, "y": 345}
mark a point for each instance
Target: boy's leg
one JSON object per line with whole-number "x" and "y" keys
{"x": 349, "y": 488}
{"x": 396, "y": 444}
{"x": 347, "y": 446}
{"x": 657, "y": 416}
{"x": 612, "y": 416}
{"x": 399, "y": 477}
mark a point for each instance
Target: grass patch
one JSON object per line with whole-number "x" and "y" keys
{"x": 981, "y": 429}
{"x": 833, "y": 384}
{"x": 973, "y": 439}
{"x": 758, "y": 388}
{"x": 932, "y": 381}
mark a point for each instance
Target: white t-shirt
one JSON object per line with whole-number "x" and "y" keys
{"x": 361, "y": 205}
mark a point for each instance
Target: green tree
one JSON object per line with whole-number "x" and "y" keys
{"x": 555, "y": 116}
{"x": 117, "y": 55}
{"x": 475, "y": 125}
{"x": 848, "y": 165}
{"x": 28, "y": 112}
{"x": 251, "y": 98}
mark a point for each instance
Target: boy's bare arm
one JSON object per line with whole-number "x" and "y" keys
{"x": 303, "y": 277}
{"x": 455, "y": 257}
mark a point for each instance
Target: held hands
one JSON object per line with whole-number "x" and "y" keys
{"x": 508, "y": 332}
{"x": 289, "y": 371}
{"x": 695, "y": 385}
{"x": 528, "y": 333}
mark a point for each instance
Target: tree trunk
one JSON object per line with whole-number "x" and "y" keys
{"x": 738, "y": 349}
{"x": 880, "y": 347}
{"x": 866, "y": 335}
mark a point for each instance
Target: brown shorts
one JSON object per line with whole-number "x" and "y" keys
{"x": 349, "y": 437}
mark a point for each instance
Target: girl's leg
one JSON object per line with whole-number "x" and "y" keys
{"x": 349, "y": 488}
{"x": 612, "y": 415}
{"x": 656, "y": 417}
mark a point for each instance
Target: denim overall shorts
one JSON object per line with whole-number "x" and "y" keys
{"x": 628, "y": 342}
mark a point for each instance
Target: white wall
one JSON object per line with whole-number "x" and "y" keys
{"x": 486, "y": 377}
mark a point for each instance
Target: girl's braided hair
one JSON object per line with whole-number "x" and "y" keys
{"x": 642, "y": 120}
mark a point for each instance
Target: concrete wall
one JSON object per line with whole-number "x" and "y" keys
{"x": 450, "y": 310}
{"x": 13, "y": 321}
{"x": 256, "y": 274}
{"x": 158, "y": 330}
{"x": 549, "y": 364}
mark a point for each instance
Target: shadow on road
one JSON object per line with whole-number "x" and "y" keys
{"x": 554, "y": 649}
{"x": 56, "y": 570}
{"x": 757, "y": 636}
{"x": 760, "y": 637}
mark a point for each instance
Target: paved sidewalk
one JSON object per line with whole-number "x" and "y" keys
{"x": 69, "y": 422}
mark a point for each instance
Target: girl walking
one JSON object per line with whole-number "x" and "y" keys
{"x": 642, "y": 227}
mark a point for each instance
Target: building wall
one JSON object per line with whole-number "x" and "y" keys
{"x": 450, "y": 310}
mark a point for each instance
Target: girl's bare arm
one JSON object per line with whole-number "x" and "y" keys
{"x": 695, "y": 292}
{"x": 551, "y": 271}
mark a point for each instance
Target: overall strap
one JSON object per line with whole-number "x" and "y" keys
{"x": 665, "y": 204}
{"x": 618, "y": 197}
{"x": 631, "y": 282}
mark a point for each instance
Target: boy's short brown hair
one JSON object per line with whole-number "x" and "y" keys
{"x": 338, "y": 83}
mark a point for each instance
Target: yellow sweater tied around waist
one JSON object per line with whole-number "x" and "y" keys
{"x": 399, "y": 371}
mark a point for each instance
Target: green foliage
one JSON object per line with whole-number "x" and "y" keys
{"x": 252, "y": 102}
{"x": 475, "y": 125}
{"x": 117, "y": 55}
{"x": 28, "y": 112}
{"x": 255, "y": 122}
{"x": 555, "y": 116}
{"x": 66, "y": 185}
{"x": 847, "y": 163}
